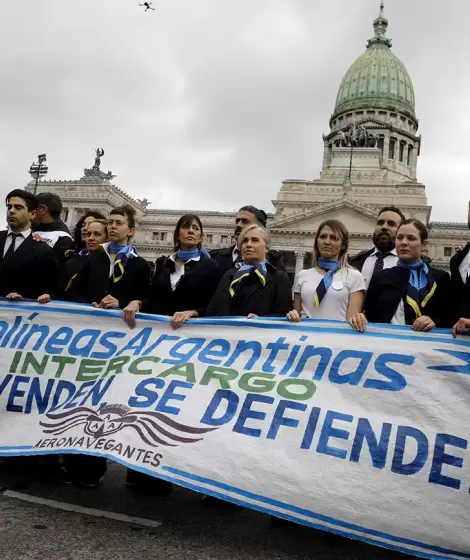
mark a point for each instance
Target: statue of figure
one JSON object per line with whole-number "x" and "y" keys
{"x": 343, "y": 140}
{"x": 99, "y": 154}
{"x": 143, "y": 202}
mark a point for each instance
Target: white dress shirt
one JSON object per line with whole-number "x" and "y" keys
{"x": 175, "y": 276}
{"x": 464, "y": 267}
{"x": 369, "y": 263}
{"x": 19, "y": 240}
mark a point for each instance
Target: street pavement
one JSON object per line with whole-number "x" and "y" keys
{"x": 183, "y": 527}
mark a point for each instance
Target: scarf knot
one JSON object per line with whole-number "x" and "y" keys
{"x": 245, "y": 271}
{"x": 421, "y": 285}
{"x": 185, "y": 255}
{"x": 331, "y": 266}
{"x": 123, "y": 254}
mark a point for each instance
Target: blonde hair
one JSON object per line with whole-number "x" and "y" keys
{"x": 340, "y": 229}
{"x": 264, "y": 233}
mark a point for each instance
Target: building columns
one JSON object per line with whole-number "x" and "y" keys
{"x": 299, "y": 261}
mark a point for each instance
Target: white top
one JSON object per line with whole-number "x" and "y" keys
{"x": 334, "y": 305}
{"x": 19, "y": 240}
{"x": 369, "y": 263}
{"x": 399, "y": 317}
{"x": 464, "y": 267}
{"x": 51, "y": 237}
{"x": 175, "y": 276}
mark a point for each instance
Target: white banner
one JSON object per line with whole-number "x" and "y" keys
{"x": 364, "y": 435}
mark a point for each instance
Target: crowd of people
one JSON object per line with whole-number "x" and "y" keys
{"x": 393, "y": 282}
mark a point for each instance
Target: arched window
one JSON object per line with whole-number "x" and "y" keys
{"x": 402, "y": 151}
{"x": 391, "y": 148}
{"x": 410, "y": 151}
{"x": 380, "y": 144}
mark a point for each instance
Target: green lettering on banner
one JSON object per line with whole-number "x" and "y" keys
{"x": 62, "y": 361}
{"x": 116, "y": 365}
{"x": 221, "y": 374}
{"x": 30, "y": 360}
{"x": 134, "y": 370}
{"x": 283, "y": 389}
{"x": 90, "y": 369}
{"x": 257, "y": 382}
{"x": 183, "y": 370}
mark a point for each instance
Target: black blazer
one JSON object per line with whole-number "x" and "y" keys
{"x": 93, "y": 283}
{"x": 460, "y": 290}
{"x": 357, "y": 261}
{"x": 68, "y": 269}
{"x": 389, "y": 286}
{"x": 272, "y": 300}
{"x": 31, "y": 271}
{"x": 224, "y": 258}
{"x": 193, "y": 291}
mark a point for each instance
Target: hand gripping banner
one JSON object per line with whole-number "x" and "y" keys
{"x": 361, "y": 434}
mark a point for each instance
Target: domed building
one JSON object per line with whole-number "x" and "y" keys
{"x": 369, "y": 161}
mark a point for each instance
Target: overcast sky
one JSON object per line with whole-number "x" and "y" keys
{"x": 210, "y": 104}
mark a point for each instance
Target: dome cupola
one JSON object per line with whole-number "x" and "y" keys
{"x": 377, "y": 79}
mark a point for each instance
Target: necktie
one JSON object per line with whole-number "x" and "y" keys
{"x": 379, "y": 261}
{"x": 11, "y": 249}
{"x": 238, "y": 262}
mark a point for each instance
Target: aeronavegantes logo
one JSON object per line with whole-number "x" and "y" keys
{"x": 154, "y": 428}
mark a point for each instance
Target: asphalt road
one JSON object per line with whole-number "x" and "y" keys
{"x": 182, "y": 527}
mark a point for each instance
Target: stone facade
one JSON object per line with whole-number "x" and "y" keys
{"x": 357, "y": 178}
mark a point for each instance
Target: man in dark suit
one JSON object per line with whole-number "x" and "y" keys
{"x": 460, "y": 279}
{"x": 383, "y": 254}
{"x": 27, "y": 267}
{"x": 48, "y": 227}
{"x": 229, "y": 257}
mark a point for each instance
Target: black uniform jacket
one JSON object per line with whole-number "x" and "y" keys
{"x": 93, "y": 282}
{"x": 460, "y": 289}
{"x": 193, "y": 291}
{"x": 31, "y": 270}
{"x": 357, "y": 261}
{"x": 272, "y": 300}
{"x": 389, "y": 286}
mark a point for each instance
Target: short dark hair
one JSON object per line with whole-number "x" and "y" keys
{"x": 77, "y": 232}
{"x": 260, "y": 215}
{"x": 418, "y": 224}
{"x": 31, "y": 200}
{"x": 127, "y": 211}
{"x": 185, "y": 221}
{"x": 392, "y": 209}
{"x": 52, "y": 202}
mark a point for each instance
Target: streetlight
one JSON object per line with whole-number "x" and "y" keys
{"x": 38, "y": 169}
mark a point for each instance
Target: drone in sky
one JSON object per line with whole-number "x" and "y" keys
{"x": 147, "y": 6}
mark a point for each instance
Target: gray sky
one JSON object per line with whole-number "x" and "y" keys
{"x": 210, "y": 104}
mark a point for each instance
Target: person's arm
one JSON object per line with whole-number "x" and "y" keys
{"x": 209, "y": 285}
{"x": 61, "y": 246}
{"x": 355, "y": 304}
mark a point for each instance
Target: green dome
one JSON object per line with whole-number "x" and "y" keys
{"x": 377, "y": 78}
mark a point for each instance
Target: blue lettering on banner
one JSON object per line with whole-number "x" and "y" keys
{"x": 170, "y": 394}
{"x": 247, "y": 413}
{"x": 281, "y": 420}
{"x": 145, "y": 394}
{"x": 221, "y": 397}
{"x": 422, "y": 451}
{"x": 377, "y": 447}
{"x": 328, "y": 432}
{"x": 441, "y": 458}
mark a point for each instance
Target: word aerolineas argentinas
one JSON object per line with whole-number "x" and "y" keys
{"x": 96, "y": 353}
